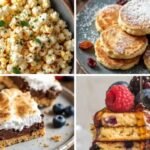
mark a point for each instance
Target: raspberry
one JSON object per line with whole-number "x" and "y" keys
{"x": 119, "y": 99}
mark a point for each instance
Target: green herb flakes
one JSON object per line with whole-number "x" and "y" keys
{"x": 16, "y": 70}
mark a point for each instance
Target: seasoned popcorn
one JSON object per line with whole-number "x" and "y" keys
{"x": 33, "y": 38}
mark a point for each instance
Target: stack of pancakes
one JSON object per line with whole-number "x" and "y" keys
{"x": 121, "y": 131}
{"x": 123, "y": 34}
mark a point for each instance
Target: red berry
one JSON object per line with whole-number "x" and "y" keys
{"x": 119, "y": 99}
{"x": 59, "y": 77}
{"x": 146, "y": 85}
{"x": 91, "y": 62}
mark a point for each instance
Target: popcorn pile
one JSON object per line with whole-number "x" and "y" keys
{"x": 33, "y": 38}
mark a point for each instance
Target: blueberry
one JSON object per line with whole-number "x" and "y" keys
{"x": 128, "y": 144}
{"x": 120, "y": 83}
{"x": 111, "y": 120}
{"x": 68, "y": 111}
{"x": 144, "y": 98}
{"x": 58, "y": 109}
{"x": 59, "y": 121}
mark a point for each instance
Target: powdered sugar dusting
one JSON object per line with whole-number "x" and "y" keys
{"x": 124, "y": 43}
{"x": 137, "y": 12}
{"x": 110, "y": 8}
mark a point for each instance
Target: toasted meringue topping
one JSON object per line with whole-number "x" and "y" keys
{"x": 42, "y": 82}
{"x": 17, "y": 110}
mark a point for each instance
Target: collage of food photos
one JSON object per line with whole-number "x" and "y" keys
{"x": 74, "y": 74}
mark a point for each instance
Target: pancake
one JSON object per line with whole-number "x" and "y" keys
{"x": 146, "y": 58}
{"x": 111, "y": 63}
{"x": 107, "y": 16}
{"x": 123, "y": 134}
{"x": 120, "y": 45}
{"x": 134, "y": 145}
{"x": 134, "y": 17}
{"x": 111, "y": 119}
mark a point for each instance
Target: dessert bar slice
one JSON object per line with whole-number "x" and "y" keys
{"x": 20, "y": 118}
{"x": 43, "y": 88}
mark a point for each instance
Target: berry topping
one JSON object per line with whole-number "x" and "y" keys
{"x": 59, "y": 121}
{"x": 68, "y": 111}
{"x": 59, "y": 77}
{"x": 120, "y": 83}
{"x": 135, "y": 84}
{"x": 58, "y": 109}
{"x": 119, "y": 99}
{"x": 146, "y": 85}
{"x": 128, "y": 144}
{"x": 141, "y": 95}
{"x": 111, "y": 120}
{"x": 91, "y": 63}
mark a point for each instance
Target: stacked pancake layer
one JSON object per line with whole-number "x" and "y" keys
{"x": 20, "y": 118}
{"x": 121, "y": 130}
{"x": 119, "y": 26}
{"x": 111, "y": 63}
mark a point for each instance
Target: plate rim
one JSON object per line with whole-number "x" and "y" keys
{"x": 70, "y": 142}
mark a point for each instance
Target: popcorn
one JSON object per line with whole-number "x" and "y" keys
{"x": 35, "y": 39}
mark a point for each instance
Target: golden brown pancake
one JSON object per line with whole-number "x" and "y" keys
{"x": 111, "y": 63}
{"x": 107, "y": 16}
{"x": 120, "y": 45}
{"x": 134, "y": 17}
{"x": 146, "y": 58}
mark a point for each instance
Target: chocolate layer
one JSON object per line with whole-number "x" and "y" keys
{"x": 11, "y": 133}
{"x": 23, "y": 85}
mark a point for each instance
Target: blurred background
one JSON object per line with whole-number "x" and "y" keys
{"x": 91, "y": 98}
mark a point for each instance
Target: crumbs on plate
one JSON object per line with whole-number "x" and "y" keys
{"x": 56, "y": 138}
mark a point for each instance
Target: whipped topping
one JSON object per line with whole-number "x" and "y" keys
{"x": 42, "y": 82}
{"x": 17, "y": 122}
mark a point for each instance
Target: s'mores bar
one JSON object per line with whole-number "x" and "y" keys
{"x": 44, "y": 88}
{"x": 20, "y": 118}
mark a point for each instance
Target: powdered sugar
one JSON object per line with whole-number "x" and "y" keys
{"x": 124, "y": 43}
{"x": 137, "y": 12}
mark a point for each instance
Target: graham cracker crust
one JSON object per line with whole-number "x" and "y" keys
{"x": 27, "y": 137}
{"x": 44, "y": 102}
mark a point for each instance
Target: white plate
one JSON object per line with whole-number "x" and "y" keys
{"x": 66, "y": 132}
